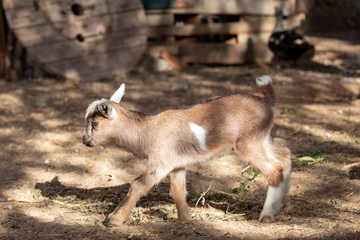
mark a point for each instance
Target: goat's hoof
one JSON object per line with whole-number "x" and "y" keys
{"x": 184, "y": 219}
{"x": 266, "y": 219}
{"x": 112, "y": 222}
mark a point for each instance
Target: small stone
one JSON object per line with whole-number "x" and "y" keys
{"x": 305, "y": 128}
{"x": 328, "y": 135}
{"x": 47, "y": 161}
{"x": 281, "y": 141}
{"x": 339, "y": 111}
{"x": 45, "y": 124}
{"x": 137, "y": 95}
{"x": 61, "y": 220}
{"x": 280, "y": 132}
{"x": 180, "y": 87}
{"x": 41, "y": 103}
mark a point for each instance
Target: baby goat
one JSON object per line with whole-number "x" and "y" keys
{"x": 172, "y": 139}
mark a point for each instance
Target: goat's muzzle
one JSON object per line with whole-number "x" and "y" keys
{"x": 87, "y": 141}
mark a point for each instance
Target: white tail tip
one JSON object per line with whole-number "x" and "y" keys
{"x": 263, "y": 80}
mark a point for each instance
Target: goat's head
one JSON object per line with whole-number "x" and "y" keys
{"x": 100, "y": 118}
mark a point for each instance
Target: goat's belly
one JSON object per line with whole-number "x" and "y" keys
{"x": 184, "y": 160}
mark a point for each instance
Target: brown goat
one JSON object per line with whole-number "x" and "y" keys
{"x": 172, "y": 139}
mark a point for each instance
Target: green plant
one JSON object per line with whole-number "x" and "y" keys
{"x": 309, "y": 160}
{"x": 290, "y": 112}
{"x": 356, "y": 142}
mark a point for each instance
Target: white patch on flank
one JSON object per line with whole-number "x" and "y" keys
{"x": 274, "y": 197}
{"x": 263, "y": 80}
{"x": 200, "y": 134}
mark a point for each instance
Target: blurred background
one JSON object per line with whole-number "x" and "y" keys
{"x": 58, "y": 56}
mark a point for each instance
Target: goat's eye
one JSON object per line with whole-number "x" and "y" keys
{"x": 94, "y": 124}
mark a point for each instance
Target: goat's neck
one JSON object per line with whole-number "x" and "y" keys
{"x": 132, "y": 131}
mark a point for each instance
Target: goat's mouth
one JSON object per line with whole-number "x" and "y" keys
{"x": 88, "y": 141}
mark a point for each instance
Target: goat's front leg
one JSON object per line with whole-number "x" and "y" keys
{"x": 138, "y": 188}
{"x": 178, "y": 193}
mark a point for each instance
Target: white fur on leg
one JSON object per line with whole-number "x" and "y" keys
{"x": 274, "y": 197}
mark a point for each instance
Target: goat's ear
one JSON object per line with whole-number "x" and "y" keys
{"x": 105, "y": 109}
{"x": 116, "y": 97}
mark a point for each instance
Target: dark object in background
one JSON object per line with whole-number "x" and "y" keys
{"x": 352, "y": 170}
{"x": 288, "y": 45}
{"x": 354, "y": 173}
{"x": 164, "y": 4}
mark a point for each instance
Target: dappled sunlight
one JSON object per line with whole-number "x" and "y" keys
{"x": 49, "y": 142}
{"x": 325, "y": 128}
{"x": 23, "y": 193}
{"x": 9, "y": 100}
{"x": 7, "y": 132}
{"x": 56, "y": 185}
{"x": 60, "y": 213}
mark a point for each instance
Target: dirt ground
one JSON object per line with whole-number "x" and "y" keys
{"x": 53, "y": 187}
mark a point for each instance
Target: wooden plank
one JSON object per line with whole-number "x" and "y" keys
{"x": 26, "y": 17}
{"x": 155, "y": 49}
{"x": 160, "y": 19}
{"x": 43, "y": 34}
{"x": 217, "y": 53}
{"x": 213, "y": 28}
{"x": 82, "y": 37}
{"x": 232, "y": 28}
{"x": 295, "y": 21}
{"x": 9, "y": 4}
{"x": 261, "y": 7}
{"x": 117, "y": 61}
{"x": 245, "y": 37}
{"x": 94, "y": 25}
{"x": 36, "y": 35}
{"x": 52, "y": 52}
{"x": 18, "y": 4}
{"x": 2, "y": 45}
{"x": 105, "y": 74}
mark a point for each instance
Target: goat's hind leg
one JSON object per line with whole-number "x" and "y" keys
{"x": 275, "y": 164}
{"x": 279, "y": 182}
{"x": 178, "y": 193}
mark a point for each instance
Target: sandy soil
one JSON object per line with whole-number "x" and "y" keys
{"x": 53, "y": 187}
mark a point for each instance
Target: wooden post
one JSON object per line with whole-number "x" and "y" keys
{"x": 2, "y": 44}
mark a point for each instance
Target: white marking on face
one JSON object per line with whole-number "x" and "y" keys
{"x": 200, "y": 134}
{"x": 93, "y": 106}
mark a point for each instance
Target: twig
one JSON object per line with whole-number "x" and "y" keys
{"x": 244, "y": 170}
{"x": 203, "y": 194}
{"x": 225, "y": 193}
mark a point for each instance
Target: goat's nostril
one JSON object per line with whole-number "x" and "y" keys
{"x": 87, "y": 141}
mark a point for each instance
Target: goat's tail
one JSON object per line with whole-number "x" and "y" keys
{"x": 265, "y": 86}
